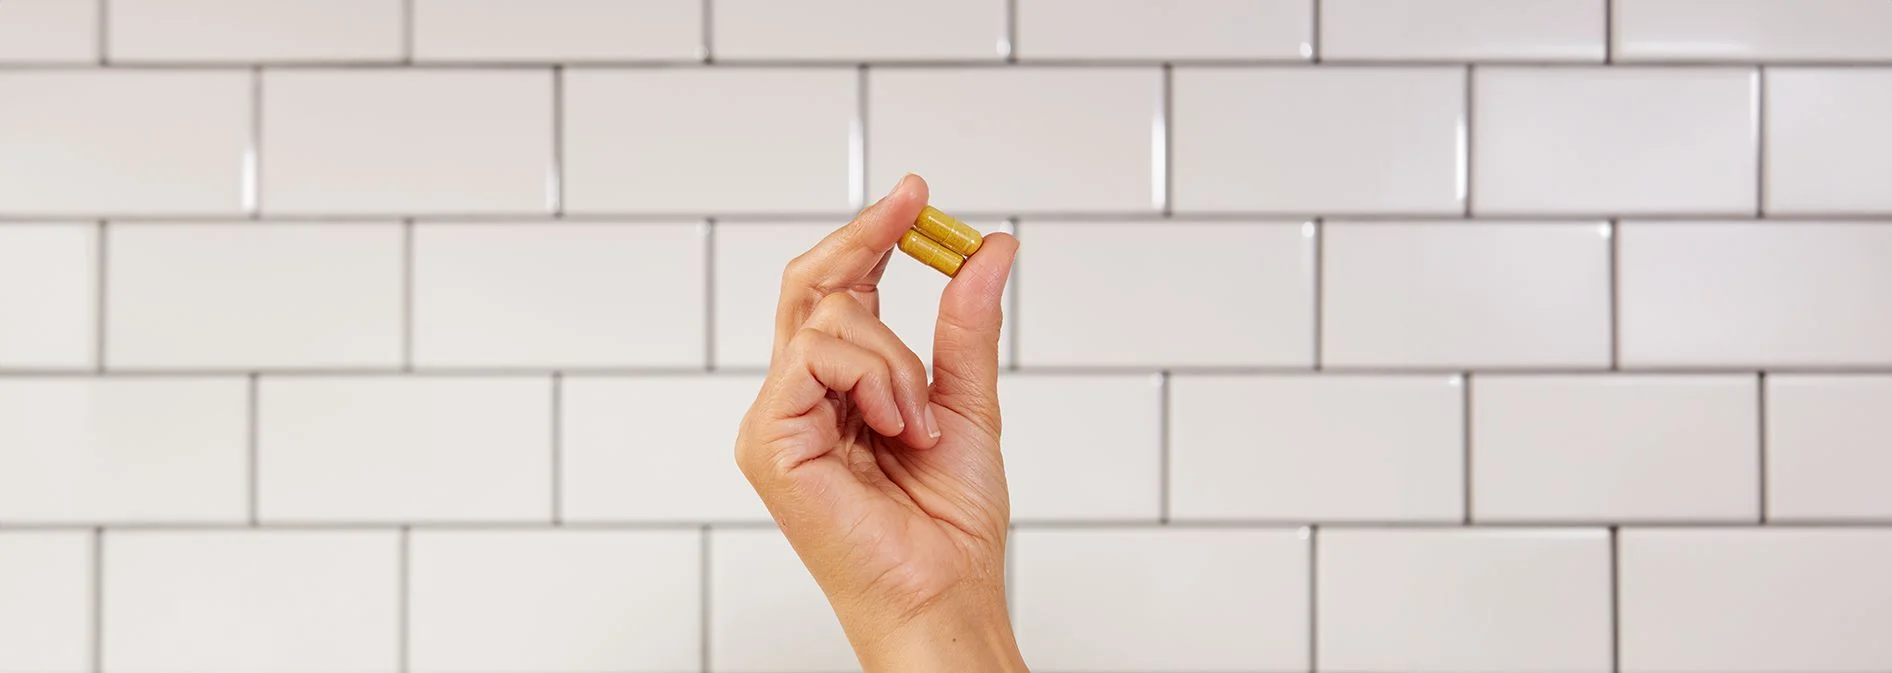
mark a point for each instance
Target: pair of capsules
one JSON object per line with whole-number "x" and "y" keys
{"x": 940, "y": 241}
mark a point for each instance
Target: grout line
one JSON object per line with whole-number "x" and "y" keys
{"x": 1616, "y": 611}
{"x": 555, "y": 180}
{"x": 703, "y": 577}
{"x": 1760, "y": 141}
{"x": 1313, "y": 598}
{"x": 1614, "y": 229}
{"x": 1313, "y": 37}
{"x": 253, "y": 160}
{"x": 402, "y": 606}
{"x": 1020, "y": 524}
{"x": 709, "y": 41}
{"x": 254, "y": 447}
{"x": 1609, "y": 32}
{"x": 1163, "y": 427}
{"x": 1319, "y": 230}
{"x": 709, "y": 294}
{"x": 1465, "y": 430}
{"x": 1166, "y": 118}
{"x": 1262, "y": 63}
{"x": 1009, "y": 567}
{"x": 1328, "y": 370}
{"x": 1760, "y": 417}
{"x": 104, "y": 34}
{"x": 407, "y": 296}
{"x": 1010, "y": 48}
{"x": 1100, "y": 217}
{"x": 101, "y": 276}
{"x": 1012, "y": 313}
{"x": 857, "y": 137}
{"x": 98, "y": 600}
{"x": 558, "y": 449}
{"x": 1465, "y": 126}
{"x": 407, "y": 32}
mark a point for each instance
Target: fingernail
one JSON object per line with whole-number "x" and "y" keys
{"x": 932, "y": 423}
{"x": 900, "y": 184}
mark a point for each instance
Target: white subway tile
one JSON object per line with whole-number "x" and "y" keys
{"x": 1615, "y": 140}
{"x": 1020, "y": 139}
{"x": 858, "y": 30}
{"x": 1615, "y": 448}
{"x": 1304, "y": 140}
{"x": 407, "y": 141}
{"x": 1826, "y": 447}
{"x": 251, "y": 601}
{"x": 657, "y": 448}
{"x": 1471, "y": 30}
{"x": 1755, "y": 294}
{"x": 1236, "y": 294}
{"x": 404, "y": 449}
{"x": 559, "y": 295}
{"x": 255, "y": 30}
{"x": 1751, "y": 600}
{"x": 1165, "y": 29}
{"x": 557, "y": 30}
{"x": 122, "y": 141}
{"x": 245, "y": 296}
{"x": 124, "y": 449}
{"x": 766, "y": 613}
{"x": 49, "y": 295}
{"x": 1827, "y": 149}
{"x": 1753, "y": 30}
{"x": 750, "y": 257}
{"x": 1483, "y": 294}
{"x": 603, "y": 601}
{"x": 45, "y": 600}
{"x": 739, "y": 140}
{"x": 1159, "y": 600}
{"x": 49, "y": 31}
{"x": 1316, "y": 448}
{"x": 1510, "y": 600}
{"x": 1109, "y": 425}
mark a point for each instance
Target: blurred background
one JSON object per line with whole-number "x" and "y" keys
{"x": 1363, "y": 336}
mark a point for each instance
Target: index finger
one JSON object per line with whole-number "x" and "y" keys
{"x": 850, "y": 258}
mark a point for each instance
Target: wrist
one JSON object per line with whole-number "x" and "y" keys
{"x": 971, "y": 634}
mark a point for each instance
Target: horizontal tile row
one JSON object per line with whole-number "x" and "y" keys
{"x": 1382, "y": 600}
{"x": 1300, "y": 448}
{"x": 1434, "y": 296}
{"x": 446, "y": 31}
{"x": 1366, "y": 140}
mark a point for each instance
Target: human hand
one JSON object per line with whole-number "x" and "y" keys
{"x": 891, "y": 491}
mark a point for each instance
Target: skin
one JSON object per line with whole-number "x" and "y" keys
{"x": 891, "y": 490}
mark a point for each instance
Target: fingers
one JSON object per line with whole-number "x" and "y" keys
{"x": 851, "y": 258}
{"x": 842, "y": 316}
{"x": 817, "y": 362}
{"x": 966, "y": 340}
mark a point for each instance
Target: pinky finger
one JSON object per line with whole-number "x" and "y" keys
{"x": 818, "y": 362}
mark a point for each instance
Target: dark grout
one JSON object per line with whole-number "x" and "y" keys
{"x": 1616, "y": 602}
{"x": 709, "y": 294}
{"x": 101, "y": 276}
{"x": 1465, "y": 428}
{"x": 254, "y": 449}
{"x": 1163, "y": 425}
{"x": 1760, "y": 417}
{"x": 558, "y": 449}
{"x": 703, "y": 593}
{"x": 97, "y": 652}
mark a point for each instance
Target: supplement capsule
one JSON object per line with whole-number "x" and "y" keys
{"x": 948, "y": 231}
{"x": 930, "y": 252}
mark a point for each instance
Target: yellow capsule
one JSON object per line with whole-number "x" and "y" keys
{"x": 930, "y": 252}
{"x": 949, "y": 231}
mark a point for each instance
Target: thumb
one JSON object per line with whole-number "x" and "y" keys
{"x": 966, "y": 341}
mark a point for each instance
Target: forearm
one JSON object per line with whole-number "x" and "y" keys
{"x": 972, "y": 637}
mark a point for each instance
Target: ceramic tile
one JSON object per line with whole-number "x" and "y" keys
{"x": 254, "y": 30}
{"x": 1826, "y": 447}
{"x": 1471, "y": 30}
{"x": 1110, "y": 425}
{"x": 49, "y": 31}
{"x": 1827, "y": 151}
{"x": 766, "y": 613}
{"x": 45, "y": 601}
{"x": 655, "y": 448}
{"x": 858, "y": 30}
{"x": 1165, "y": 29}
{"x": 49, "y": 295}
{"x": 557, "y": 30}
{"x": 1753, "y": 30}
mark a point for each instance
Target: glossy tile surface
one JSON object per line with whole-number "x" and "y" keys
{"x": 45, "y": 592}
{"x": 557, "y": 30}
{"x": 858, "y": 30}
{"x": 1826, "y": 447}
{"x": 1827, "y": 150}
{"x": 1469, "y": 30}
{"x": 49, "y": 295}
{"x": 1164, "y": 29}
{"x": 1753, "y": 30}
{"x": 766, "y": 613}
{"x": 1112, "y": 425}
{"x": 255, "y": 30}
{"x": 49, "y": 31}
{"x": 654, "y": 449}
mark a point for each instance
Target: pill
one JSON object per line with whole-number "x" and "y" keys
{"x": 948, "y": 231}
{"x": 930, "y": 252}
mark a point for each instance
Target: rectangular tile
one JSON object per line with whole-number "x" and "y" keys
{"x": 1008, "y": 140}
{"x": 45, "y": 601}
{"x": 1319, "y": 140}
{"x": 1753, "y": 30}
{"x": 1749, "y": 600}
{"x": 1159, "y": 29}
{"x": 766, "y": 614}
{"x": 548, "y": 295}
{"x": 255, "y": 30}
{"x": 1316, "y": 448}
{"x": 557, "y": 30}
{"x": 1112, "y": 425}
{"x": 251, "y": 601}
{"x": 1826, "y": 150}
{"x": 383, "y": 449}
{"x": 555, "y": 600}
{"x": 1512, "y": 600}
{"x": 750, "y": 257}
{"x": 407, "y": 141}
{"x": 1607, "y": 447}
{"x": 1755, "y": 294}
{"x": 94, "y": 141}
{"x": 242, "y": 296}
{"x": 1467, "y": 30}
{"x": 858, "y": 30}
{"x": 1250, "y": 298}
{"x": 663, "y": 140}
{"x": 1161, "y": 600}
{"x": 113, "y": 450}
{"x": 49, "y": 31}
{"x": 654, "y": 448}
{"x": 1826, "y": 447}
{"x": 1567, "y": 141}
{"x": 1474, "y": 294}
{"x": 49, "y": 295}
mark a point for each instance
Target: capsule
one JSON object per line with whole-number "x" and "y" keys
{"x": 949, "y": 231}
{"x": 930, "y": 252}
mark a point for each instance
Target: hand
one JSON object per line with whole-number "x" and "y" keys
{"x": 891, "y": 491}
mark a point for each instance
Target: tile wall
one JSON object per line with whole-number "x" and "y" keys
{"x": 1362, "y": 336}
